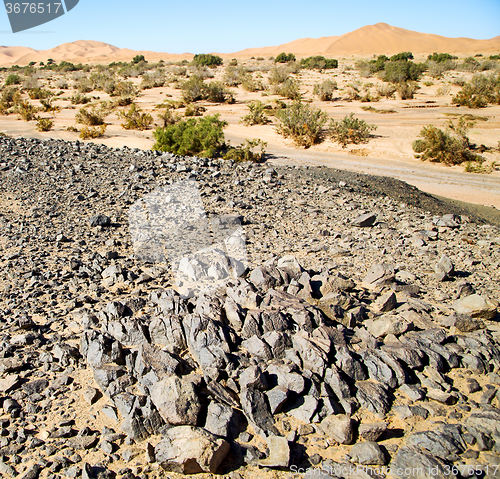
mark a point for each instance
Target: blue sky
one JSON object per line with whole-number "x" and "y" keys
{"x": 224, "y": 26}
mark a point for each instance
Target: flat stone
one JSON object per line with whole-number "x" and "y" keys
{"x": 476, "y": 306}
{"x": 279, "y": 452}
{"x": 339, "y": 428}
{"x": 368, "y": 453}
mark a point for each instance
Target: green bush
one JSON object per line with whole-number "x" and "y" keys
{"x": 470, "y": 64}
{"x": 84, "y": 85}
{"x": 247, "y": 151}
{"x": 451, "y": 147}
{"x": 403, "y": 56}
{"x": 285, "y": 58}
{"x": 250, "y": 84}
{"x": 324, "y": 90}
{"x": 441, "y": 57}
{"x": 386, "y": 90}
{"x": 93, "y": 116}
{"x": 92, "y": 132}
{"x": 319, "y": 63}
{"x": 256, "y": 114}
{"x": 350, "y": 130}
{"x": 193, "y": 137}
{"x": 207, "y": 59}
{"x": 138, "y": 59}
{"x": 234, "y": 75}
{"x": 44, "y": 124}
{"x": 494, "y": 57}
{"x": 302, "y": 123}
{"x": 135, "y": 118}
{"x": 13, "y": 79}
{"x": 402, "y": 71}
{"x": 482, "y": 90}
{"x": 153, "y": 80}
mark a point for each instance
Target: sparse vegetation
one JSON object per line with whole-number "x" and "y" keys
{"x": 256, "y": 114}
{"x": 350, "y": 130}
{"x": 193, "y": 137}
{"x": 93, "y": 116}
{"x": 44, "y": 124}
{"x": 450, "y": 146}
{"x": 135, "y": 118}
{"x": 302, "y": 123}
{"x": 79, "y": 99}
{"x": 324, "y": 90}
{"x": 92, "y": 132}
{"x": 26, "y": 110}
{"x": 482, "y": 90}
{"x": 12, "y": 79}
{"x": 251, "y": 150}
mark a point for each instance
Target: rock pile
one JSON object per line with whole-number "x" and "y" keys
{"x": 364, "y": 332}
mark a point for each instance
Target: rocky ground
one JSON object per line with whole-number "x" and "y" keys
{"x": 364, "y": 332}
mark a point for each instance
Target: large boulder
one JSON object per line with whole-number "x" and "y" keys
{"x": 176, "y": 401}
{"x": 190, "y": 450}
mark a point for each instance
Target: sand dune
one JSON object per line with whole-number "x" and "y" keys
{"x": 368, "y": 40}
{"x": 377, "y": 39}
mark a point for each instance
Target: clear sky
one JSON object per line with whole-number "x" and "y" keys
{"x": 224, "y": 26}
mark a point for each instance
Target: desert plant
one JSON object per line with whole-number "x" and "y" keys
{"x": 135, "y": 118}
{"x": 153, "y": 80}
{"x": 193, "y": 137}
{"x": 79, "y": 99}
{"x": 44, "y": 124}
{"x": 39, "y": 94}
{"x": 168, "y": 118}
{"x": 138, "y": 59}
{"x": 10, "y": 97}
{"x": 207, "y": 59}
{"x": 278, "y": 74}
{"x": 12, "y": 79}
{"x": 441, "y": 57}
{"x": 249, "y": 83}
{"x": 403, "y": 56}
{"x": 62, "y": 84}
{"x": 194, "y": 110}
{"x": 407, "y": 89}
{"x": 26, "y": 110}
{"x": 247, "y": 151}
{"x": 319, "y": 63}
{"x": 402, "y": 71}
{"x": 256, "y": 114}
{"x": 92, "y": 132}
{"x": 480, "y": 91}
{"x": 193, "y": 89}
{"x": 470, "y": 64}
{"x": 48, "y": 107}
{"x": 84, "y": 85}
{"x": 350, "y": 130}
{"x": 217, "y": 92}
{"x": 302, "y": 123}
{"x": 290, "y": 89}
{"x": 234, "y": 76}
{"x": 386, "y": 90}
{"x": 443, "y": 90}
{"x": 285, "y": 58}
{"x": 324, "y": 90}
{"x": 451, "y": 146}
{"x": 93, "y": 116}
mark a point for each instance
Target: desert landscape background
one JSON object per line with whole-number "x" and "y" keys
{"x": 399, "y": 122}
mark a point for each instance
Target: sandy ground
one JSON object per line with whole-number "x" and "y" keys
{"x": 388, "y": 153}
